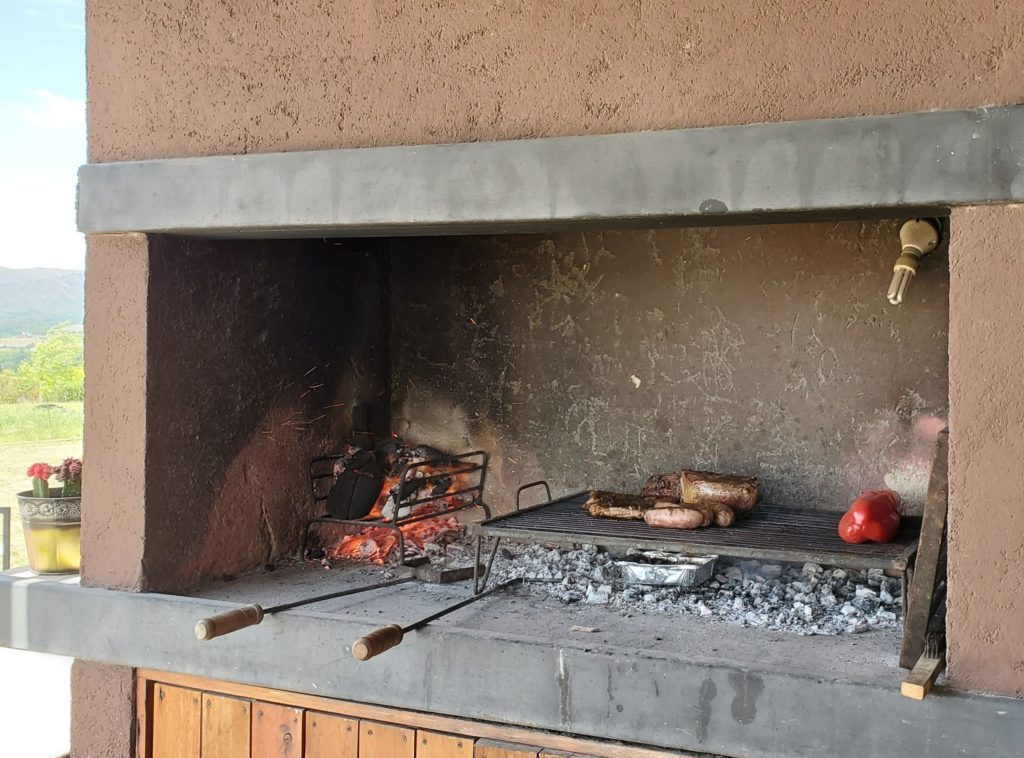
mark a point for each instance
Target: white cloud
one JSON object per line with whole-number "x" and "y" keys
{"x": 52, "y": 111}
{"x": 37, "y": 213}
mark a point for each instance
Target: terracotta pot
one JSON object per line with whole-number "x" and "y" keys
{"x": 53, "y": 531}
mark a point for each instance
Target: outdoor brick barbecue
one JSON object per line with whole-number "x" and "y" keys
{"x": 272, "y": 247}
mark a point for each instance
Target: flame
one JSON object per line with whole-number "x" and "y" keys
{"x": 375, "y": 544}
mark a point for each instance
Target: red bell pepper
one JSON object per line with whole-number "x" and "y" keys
{"x": 873, "y": 517}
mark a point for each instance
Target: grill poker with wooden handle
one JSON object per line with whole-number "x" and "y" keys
{"x": 387, "y": 637}
{"x": 253, "y": 614}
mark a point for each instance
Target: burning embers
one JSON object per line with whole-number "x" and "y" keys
{"x": 402, "y": 496}
{"x": 378, "y": 544}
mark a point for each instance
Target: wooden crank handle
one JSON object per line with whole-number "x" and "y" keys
{"x": 229, "y": 621}
{"x": 377, "y": 641}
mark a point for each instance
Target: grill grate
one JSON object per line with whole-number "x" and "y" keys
{"x": 768, "y": 533}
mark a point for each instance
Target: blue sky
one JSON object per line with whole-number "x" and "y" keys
{"x": 42, "y": 131}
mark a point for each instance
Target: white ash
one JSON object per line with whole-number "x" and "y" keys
{"x": 807, "y": 599}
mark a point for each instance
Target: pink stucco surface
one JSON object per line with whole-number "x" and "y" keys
{"x": 198, "y": 77}
{"x": 986, "y": 475}
{"x": 113, "y": 524}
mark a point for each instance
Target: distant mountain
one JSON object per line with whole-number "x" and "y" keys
{"x": 34, "y": 299}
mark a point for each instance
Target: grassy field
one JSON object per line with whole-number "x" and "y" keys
{"x": 38, "y": 422}
{"x": 30, "y": 434}
{"x": 19, "y": 341}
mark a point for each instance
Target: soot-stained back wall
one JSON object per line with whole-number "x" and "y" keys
{"x": 257, "y": 352}
{"x": 595, "y": 359}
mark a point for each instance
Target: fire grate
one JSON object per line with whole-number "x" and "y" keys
{"x": 411, "y": 479}
{"x": 768, "y": 533}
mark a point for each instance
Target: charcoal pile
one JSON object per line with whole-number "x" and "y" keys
{"x": 808, "y": 599}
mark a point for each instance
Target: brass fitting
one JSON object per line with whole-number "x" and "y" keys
{"x": 918, "y": 238}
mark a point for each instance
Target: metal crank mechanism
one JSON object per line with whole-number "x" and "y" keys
{"x": 387, "y": 637}
{"x": 251, "y": 615}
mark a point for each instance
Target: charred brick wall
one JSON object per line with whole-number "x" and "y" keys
{"x": 596, "y": 359}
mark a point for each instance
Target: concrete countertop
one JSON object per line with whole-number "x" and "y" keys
{"x": 672, "y": 681}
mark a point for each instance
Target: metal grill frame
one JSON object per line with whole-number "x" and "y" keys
{"x": 893, "y": 558}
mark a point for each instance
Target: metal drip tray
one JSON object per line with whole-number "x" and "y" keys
{"x": 768, "y": 533}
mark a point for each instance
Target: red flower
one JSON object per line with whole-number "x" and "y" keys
{"x": 40, "y": 471}
{"x": 70, "y": 471}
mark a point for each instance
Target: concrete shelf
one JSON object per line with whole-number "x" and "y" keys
{"x": 684, "y": 683}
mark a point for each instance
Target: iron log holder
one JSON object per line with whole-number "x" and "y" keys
{"x": 452, "y": 465}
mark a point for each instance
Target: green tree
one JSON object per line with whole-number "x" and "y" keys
{"x": 55, "y": 372}
{"x": 13, "y": 387}
{"x": 12, "y": 357}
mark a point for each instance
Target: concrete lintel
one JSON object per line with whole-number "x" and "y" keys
{"x": 907, "y": 163}
{"x": 592, "y": 690}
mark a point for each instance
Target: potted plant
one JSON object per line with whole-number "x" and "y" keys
{"x": 52, "y": 517}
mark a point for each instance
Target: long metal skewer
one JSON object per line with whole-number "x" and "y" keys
{"x": 251, "y": 615}
{"x": 385, "y": 638}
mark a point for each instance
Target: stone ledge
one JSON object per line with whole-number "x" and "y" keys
{"x": 906, "y": 164}
{"x": 671, "y": 700}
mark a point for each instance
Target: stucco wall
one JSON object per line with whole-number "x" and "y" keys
{"x": 597, "y": 359}
{"x": 986, "y": 447}
{"x": 217, "y": 370}
{"x": 257, "y": 352}
{"x": 114, "y": 492}
{"x": 195, "y": 77}
{"x": 102, "y": 710}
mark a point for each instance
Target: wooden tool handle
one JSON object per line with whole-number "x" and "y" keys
{"x": 229, "y": 621}
{"x": 377, "y": 641}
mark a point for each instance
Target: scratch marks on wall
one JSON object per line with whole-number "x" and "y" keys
{"x": 596, "y": 359}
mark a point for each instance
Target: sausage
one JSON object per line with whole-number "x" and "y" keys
{"x": 740, "y": 493}
{"x": 674, "y": 517}
{"x": 724, "y": 515}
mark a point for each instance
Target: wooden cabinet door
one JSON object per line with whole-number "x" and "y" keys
{"x": 378, "y": 740}
{"x": 227, "y": 727}
{"x": 437, "y": 745}
{"x": 276, "y": 731}
{"x": 176, "y": 723}
{"x": 329, "y": 736}
{"x": 497, "y": 749}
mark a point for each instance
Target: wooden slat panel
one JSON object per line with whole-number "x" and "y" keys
{"x": 227, "y": 727}
{"x": 176, "y": 723}
{"x": 276, "y": 731}
{"x": 378, "y": 740}
{"x": 499, "y": 749}
{"x": 330, "y": 736}
{"x": 562, "y": 754}
{"x": 436, "y": 745}
{"x": 414, "y": 719}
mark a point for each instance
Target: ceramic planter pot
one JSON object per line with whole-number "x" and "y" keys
{"x": 53, "y": 531}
